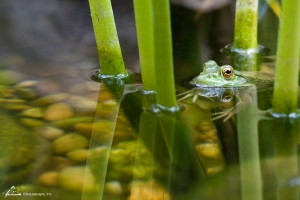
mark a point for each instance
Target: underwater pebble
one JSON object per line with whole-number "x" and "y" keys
{"x": 57, "y": 111}
{"x": 32, "y": 112}
{"x": 109, "y": 103}
{"x": 77, "y": 89}
{"x": 92, "y": 86}
{"x": 9, "y": 77}
{"x": 49, "y": 132}
{"x": 6, "y": 91}
{"x": 104, "y": 130}
{"x": 82, "y": 104}
{"x": 49, "y": 86}
{"x": 104, "y": 95}
{"x": 50, "y": 99}
{"x": 148, "y": 190}
{"x": 15, "y": 107}
{"x": 78, "y": 155}
{"x": 209, "y": 150}
{"x": 26, "y": 93}
{"x": 25, "y": 84}
{"x": 13, "y": 104}
{"x": 29, "y": 122}
{"x": 69, "y": 142}
{"x": 113, "y": 187}
{"x": 69, "y": 122}
{"x": 12, "y": 101}
{"x": 84, "y": 128}
{"x": 77, "y": 179}
{"x": 48, "y": 179}
{"x": 61, "y": 163}
{"x": 92, "y": 95}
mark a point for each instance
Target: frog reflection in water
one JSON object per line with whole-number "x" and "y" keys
{"x": 224, "y": 82}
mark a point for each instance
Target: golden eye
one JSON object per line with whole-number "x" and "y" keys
{"x": 227, "y": 72}
{"x": 226, "y": 97}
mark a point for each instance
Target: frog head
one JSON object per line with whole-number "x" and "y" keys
{"x": 219, "y": 76}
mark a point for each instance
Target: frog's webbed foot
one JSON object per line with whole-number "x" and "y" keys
{"x": 191, "y": 93}
{"x": 188, "y": 94}
{"x": 227, "y": 113}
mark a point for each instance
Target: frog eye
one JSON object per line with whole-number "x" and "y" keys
{"x": 226, "y": 97}
{"x": 227, "y": 72}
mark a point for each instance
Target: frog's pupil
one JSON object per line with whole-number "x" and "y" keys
{"x": 228, "y": 71}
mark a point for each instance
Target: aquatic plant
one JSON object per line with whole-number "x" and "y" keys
{"x": 247, "y": 126}
{"x": 109, "y": 51}
{"x": 103, "y": 131}
{"x": 144, "y": 26}
{"x": 163, "y": 59}
{"x": 285, "y": 141}
{"x": 244, "y": 48}
{"x": 155, "y": 49}
{"x": 287, "y": 59}
{"x": 275, "y": 6}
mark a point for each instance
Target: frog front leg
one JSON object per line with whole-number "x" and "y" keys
{"x": 244, "y": 100}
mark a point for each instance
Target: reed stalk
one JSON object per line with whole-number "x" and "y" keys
{"x": 287, "y": 59}
{"x": 102, "y": 135}
{"x": 144, "y": 26}
{"x": 109, "y": 50}
{"x": 163, "y": 59}
{"x": 247, "y": 126}
{"x": 245, "y": 35}
{"x": 286, "y": 163}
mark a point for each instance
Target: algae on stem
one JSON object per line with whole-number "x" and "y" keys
{"x": 245, "y": 34}
{"x": 109, "y": 50}
{"x": 245, "y": 45}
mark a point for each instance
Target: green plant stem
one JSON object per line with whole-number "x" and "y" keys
{"x": 245, "y": 35}
{"x": 247, "y": 125}
{"x": 165, "y": 87}
{"x": 285, "y": 140}
{"x": 109, "y": 50}
{"x": 144, "y": 27}
{"x": 102, "y": 134}
{"x": 245, "y": 31}
{"x": 287, "y": 59}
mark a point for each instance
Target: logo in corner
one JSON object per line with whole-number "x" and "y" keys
{"x": 13, "y": 191}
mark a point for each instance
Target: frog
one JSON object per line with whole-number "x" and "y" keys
{"x": 224, "y": 82}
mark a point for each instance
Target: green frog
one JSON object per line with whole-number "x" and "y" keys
{"x": 214, "y": 76}
{"x": 223, "y": 82}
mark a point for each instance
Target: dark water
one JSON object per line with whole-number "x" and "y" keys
{"x": 64, "y": 136}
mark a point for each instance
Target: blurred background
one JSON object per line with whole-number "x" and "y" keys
{"x": 48, "y": 38}
{"x": 60, "y": 31}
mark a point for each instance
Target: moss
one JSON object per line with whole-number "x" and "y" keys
{"x": 109, "y": 50}
{"x": 245, "y": 35}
